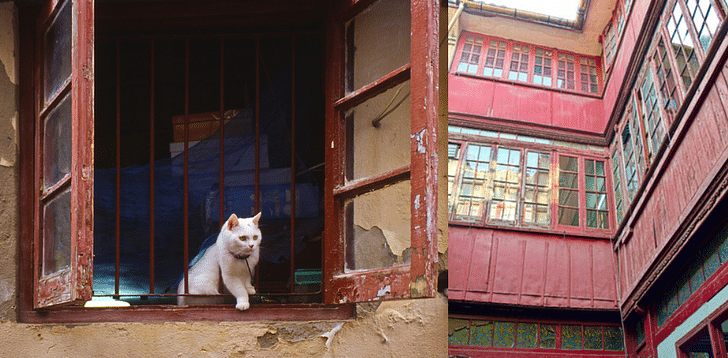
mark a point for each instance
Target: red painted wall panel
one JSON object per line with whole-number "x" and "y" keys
{"x": 511, "y": 267}
{"x": 487, "y": 98}
{"x": 679, "y": 185}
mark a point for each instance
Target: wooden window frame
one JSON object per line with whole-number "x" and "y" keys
{"x": 416, "y": 280}
{"x": 508, "y": 58}
{"x": 524, "y": 147}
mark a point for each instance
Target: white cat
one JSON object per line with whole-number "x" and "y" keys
{"x": 233, "y": 258}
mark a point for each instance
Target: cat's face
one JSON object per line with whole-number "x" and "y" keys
{"x": 242, "y": 236}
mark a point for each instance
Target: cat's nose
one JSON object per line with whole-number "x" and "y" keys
{"x": 251, "y": 245}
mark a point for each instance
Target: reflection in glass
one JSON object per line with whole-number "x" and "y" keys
{"x": 475, "y": 178}
{"x": 57, "y": 144}
{"x": 568, "y": 190}
{"x": 57, "y": 234}
{"x": 506, "y": 181}
{"x": 378, "y": 228}
{"x": 57, "y": 52}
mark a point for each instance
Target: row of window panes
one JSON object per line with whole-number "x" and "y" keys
{"x": 522, "y": 138}
{"x": 495, "y": 58}
{"x": 614, "y": 30}
{"x": 498, "y": 184}
{"x": 504, "y": 334}
{"x": 712, "y": 255}
{"x": 663, "y": 81}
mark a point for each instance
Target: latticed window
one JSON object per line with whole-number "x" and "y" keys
{"x": 706, "y": 20}
{"x": 542, "y": 70}
{"x": 566, "y": 76}
{"x": 474, "y": 184}
{"x": 453, "y": 158}
{"x": 655, "y": 130}
{"x": 494, "y": 59}
{"x": 589, "y": 81}
{"x": 682, "y": 45}
{"x": 568, "y": 207}
{"x": 665, "y": 78}
{"x": 617, "y": 179}
{"x": 537, "y": 188}
{"x": 470, "y": 55}
{"x": 519, "y": 63}
{"x": 595, "y": 179}
{"x": 506, "y": 185}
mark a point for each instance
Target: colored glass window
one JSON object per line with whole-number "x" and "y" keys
{"x": 481, "y": 333}
{"x": 458, "y": 332}
{"x": 527, "y": 335}
{"x": 571, "y": 337}
{"x": 547, "y": 336}
{"x": 613, "y": 340}
{"x": 504, "y": 334}
{"x": 593, "y": 338}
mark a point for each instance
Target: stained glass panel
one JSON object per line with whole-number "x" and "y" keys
{"x": 593, "y": 337}
{"x": 504, "y": 334}
{"x": 527, "y": 335}
{"x": 571, "y": 337}
{"x": 481, "y": 333}
{"x": 613, "y": 340}
{"x": 547, "y": 336}
{"x": 458, "y": 332}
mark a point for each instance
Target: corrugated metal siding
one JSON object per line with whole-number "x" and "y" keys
{"x": 507, "y": 267}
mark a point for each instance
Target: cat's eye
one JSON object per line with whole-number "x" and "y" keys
{"x": 255, "y": 237}
{"x": 242, "y": 238}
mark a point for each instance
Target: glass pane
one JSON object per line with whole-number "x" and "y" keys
{"x": 377, "y": 149}
{"x": 457, "y": 332}
{"x": 568, "y": 216}
{"x": 504, "y": 334}
{"x": 613, "y": 338}
{"x": 568, "y": 163}
{"x": 701, "y": 348}
{"x": 383, "y": 28}
{"x": 57, "y": 234}
{"x": 57, "y": 144}
{"x": 378, "y": 228}
{"x": 593, "y": 337}
{"x": 527, "y": 335}
{"x": 570, "y": 337}
{"x": 481, "y": 333}
{"x": 57, "y": 52}
{"x": 547, "y": 336}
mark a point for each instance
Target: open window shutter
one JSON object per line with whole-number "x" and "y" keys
{"x": 381, "y": 190}
{"x": 64, "y": 126}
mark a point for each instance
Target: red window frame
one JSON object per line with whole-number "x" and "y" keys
{"x": 72, "y": 284}
{"x": 517, "y": 66}
{"x": 417, "y": 279}
{"x": 484, "y": 219}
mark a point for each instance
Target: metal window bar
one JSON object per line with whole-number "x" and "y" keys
{"x": 118, "y": 164}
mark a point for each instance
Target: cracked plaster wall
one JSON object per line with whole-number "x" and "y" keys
{"x": 390, "y": 329}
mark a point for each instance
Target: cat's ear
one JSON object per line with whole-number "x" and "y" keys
{"x": 232, "y": 222}
{"x": 256, "y": 218}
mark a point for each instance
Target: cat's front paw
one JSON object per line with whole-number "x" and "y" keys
{"x": 250, "y": 289}
{"x": 242, "y": 306}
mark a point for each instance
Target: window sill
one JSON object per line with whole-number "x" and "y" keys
{"x": 226, "y": 313}
{"x": 590, "y": 234}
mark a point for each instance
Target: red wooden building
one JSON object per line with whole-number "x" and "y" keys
{"x": 588, "y": 166}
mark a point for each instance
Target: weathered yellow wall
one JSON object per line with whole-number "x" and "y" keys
{"x": 392, "y": 329}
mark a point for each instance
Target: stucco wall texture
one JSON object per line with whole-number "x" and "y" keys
{"x": 410, "y": 328}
